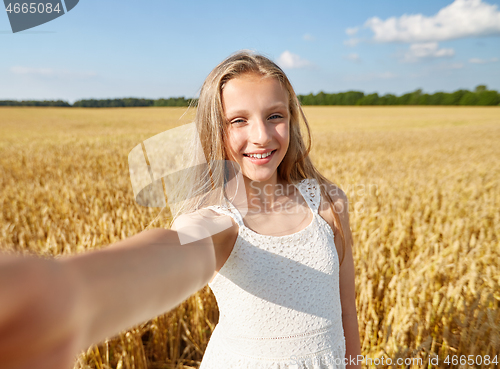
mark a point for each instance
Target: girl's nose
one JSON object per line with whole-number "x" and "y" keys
{"x": 260, "y": 132}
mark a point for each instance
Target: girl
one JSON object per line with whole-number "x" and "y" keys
{"x": 286, "y": 299}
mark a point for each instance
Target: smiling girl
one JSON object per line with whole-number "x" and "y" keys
{"x": 286, "y": 298}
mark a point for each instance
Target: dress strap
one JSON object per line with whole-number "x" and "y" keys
{"x": 311, "y": 192}
{"x": 228, "y": 210}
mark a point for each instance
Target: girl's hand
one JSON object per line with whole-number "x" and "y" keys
{"x": 41, "y": 322}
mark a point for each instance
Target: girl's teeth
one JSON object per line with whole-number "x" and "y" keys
{"x": 260, "y": 156}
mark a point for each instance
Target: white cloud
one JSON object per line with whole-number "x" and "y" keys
{"x": 462, "y": 18}
{"x": 353, "y": 57}
{"x": 292, "y": 61}
{"x": 38, "y": 71}
{"x": 482, "y": 61}
{"x": 352, "y": 31}
{"x": 308, "y": 37}
{"x": 352, "y": 42}
{"x": 426, "y": 51}
{"x": 49, "y": 72}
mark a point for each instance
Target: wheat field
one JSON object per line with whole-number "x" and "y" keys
{"x": 423, "y": 185}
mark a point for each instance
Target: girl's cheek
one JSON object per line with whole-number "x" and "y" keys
{"x": 284, "y": 132}
{"x": 235, "y": 141}
{"x": 230, "y": 145}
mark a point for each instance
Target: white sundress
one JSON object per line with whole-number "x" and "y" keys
{"x": 279, "y": 298}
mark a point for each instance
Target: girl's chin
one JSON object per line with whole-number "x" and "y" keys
{"x": 259, "y": 177}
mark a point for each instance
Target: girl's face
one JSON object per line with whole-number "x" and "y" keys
{"x": 259, "y": 122}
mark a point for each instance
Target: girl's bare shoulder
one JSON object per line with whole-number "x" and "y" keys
{"x": 338, "y": 196}
{"x": 223, "y": 227}
{"x": 340, "y": 206}
{"x": 225, "y": 238}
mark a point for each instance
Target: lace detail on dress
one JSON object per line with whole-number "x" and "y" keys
{"x": 279, "y": 298}
{"x": 313, "y": 197}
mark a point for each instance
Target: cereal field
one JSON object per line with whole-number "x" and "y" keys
{"x": 423, "y": 185}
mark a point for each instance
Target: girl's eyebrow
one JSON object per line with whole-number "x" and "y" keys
{"x": 244, "y": 111}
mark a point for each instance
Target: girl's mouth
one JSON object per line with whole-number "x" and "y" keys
{"x": 260, "y": 161}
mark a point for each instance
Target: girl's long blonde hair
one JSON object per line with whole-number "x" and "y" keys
{"x": 203, "y": 185}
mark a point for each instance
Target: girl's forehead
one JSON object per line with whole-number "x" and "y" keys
{"x": 237, "y": 85}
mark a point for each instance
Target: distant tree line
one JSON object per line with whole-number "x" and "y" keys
{"x": 103, "y": 103}
{"x": 129, "y": 102}
{"x": 34, "y": 103}
{"x": 113, "y": 103}
{"x": 174, "y": 101}
{"x": 480, "y": 96}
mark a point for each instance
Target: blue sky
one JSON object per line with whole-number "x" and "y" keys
{"x": 153, "y": 49}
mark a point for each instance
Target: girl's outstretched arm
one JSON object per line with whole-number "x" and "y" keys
{"x": 139, "y": 278}
{"x": 50, "y": 310}
{"x": 348, "y": 292}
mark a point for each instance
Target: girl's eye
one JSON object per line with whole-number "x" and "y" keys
{"x": 278, "y": 116}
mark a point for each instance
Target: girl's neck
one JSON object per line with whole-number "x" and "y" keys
{"x": 264, "y": 196}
